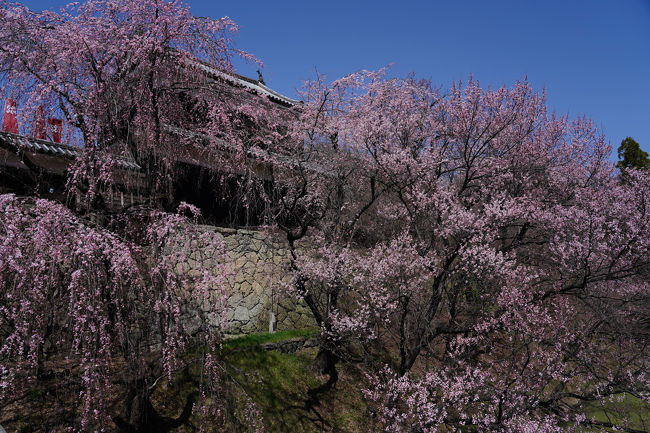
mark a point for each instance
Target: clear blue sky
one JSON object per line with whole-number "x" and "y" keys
{"x": 592, "y": 56}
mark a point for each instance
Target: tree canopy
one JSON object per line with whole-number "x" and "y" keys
{"x": 479, "y": 245}
{"x": 134, "y": 78}
{"x": 630, "y": 155}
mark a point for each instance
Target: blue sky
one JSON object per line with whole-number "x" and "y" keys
{"x": 593, "y": 57}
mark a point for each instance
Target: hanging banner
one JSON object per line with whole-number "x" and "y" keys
{"x": 10, "y": 119}
{"x": 39, "y": 124}
{"x": 56, "y": 127}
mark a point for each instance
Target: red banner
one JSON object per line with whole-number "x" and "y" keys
{"x": 39, "y": 124}
{"x": 56, "y": 127}
{"x": 10, "y": 119}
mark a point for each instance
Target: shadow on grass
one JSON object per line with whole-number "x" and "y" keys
{"x": 279, "y": 384}
{"x": 157, "y": 423}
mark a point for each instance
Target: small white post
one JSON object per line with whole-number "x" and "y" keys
{"x": 272, "y": 324}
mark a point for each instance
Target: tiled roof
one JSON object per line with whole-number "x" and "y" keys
{"x": 20, "y": 142}
{"x": 248, "y": 83}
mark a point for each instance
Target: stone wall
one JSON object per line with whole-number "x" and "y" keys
{"x": 258, "y": 263}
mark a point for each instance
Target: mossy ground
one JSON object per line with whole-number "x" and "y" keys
{"x": 272, "y": 388}
{"x": 279, "y": 383}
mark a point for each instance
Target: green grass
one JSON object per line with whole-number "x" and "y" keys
{"x": 266, "y": 337}
{"x": 636, "y": 410}
{"x": 278, "y": 384}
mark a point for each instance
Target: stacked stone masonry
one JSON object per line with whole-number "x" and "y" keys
{"x": 257, "y": 264}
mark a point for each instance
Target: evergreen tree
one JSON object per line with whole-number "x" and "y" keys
{"x": 631, "y": 155}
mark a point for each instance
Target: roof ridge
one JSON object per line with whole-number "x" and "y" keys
{"x": 244, "y": 81}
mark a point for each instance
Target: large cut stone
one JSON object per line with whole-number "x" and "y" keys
{"x": 241, "y": 314}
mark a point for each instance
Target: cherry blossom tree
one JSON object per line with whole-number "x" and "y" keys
{"x": 108, "y": 307}
{"x": 480, "y": 246}
{"x": 107, "y": 304}
{"x": 134, "y": 77}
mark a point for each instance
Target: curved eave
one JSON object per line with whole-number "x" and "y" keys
{"x": 21, "y": 142}
{"x": 248, "y": 83}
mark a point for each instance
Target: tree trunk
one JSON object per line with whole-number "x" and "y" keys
{"x": 325, "y": 363}
{"x": 133, "y": 417}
